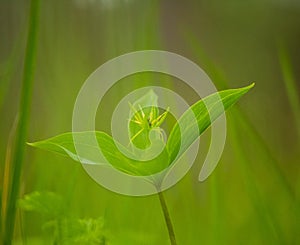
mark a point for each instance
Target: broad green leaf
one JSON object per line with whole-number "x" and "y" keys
{"x": 64, "y": 144}
{"x": 206, "y": 112}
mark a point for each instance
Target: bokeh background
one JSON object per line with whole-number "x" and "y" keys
{"x": 253, "y": 195}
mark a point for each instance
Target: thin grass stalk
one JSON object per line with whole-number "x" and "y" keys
{"x": 255, "y": 136}
{"x": 267, "y": 225}
{"x": 167, "y": 218}
{"x": 290, "y": 85}
{"x": 216, "y": 236}
{"x": 6, "y": 177}
{"x": 294, "y": 100}
{"x": 22, "y": 124}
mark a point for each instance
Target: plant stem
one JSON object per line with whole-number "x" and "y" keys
{"x": 22, "y": 124}
{"x": 167, "y": 218}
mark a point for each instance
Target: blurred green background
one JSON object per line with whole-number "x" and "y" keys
{"x": 253, "y": 195}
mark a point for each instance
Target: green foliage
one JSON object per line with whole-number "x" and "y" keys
{"x": 18, "y": 149}
{"x": 64, "y": 144}
{"x": 142, "y": 122}
{"x": 65, "y": 230}
{"x": 78, "y": 231}
{"x": 206, "y": 111}
{"x": 46, "y": 203}
{"x": 144, "y": 132}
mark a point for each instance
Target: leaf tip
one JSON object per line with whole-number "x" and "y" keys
{"x": 247, "y": 88}
{"x": 33, "y": 144}
{"x": 251, "y": 85}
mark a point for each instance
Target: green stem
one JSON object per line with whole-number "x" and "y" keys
{"x": 22, "y": 125}
{"x": 167, "y": 218}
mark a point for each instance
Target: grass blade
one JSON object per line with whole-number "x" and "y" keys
{"x": 266, "y": 219}
{"x": 22, "y": 124}
{"x": 294, "y": 100}
{"x": 290, "y": 85}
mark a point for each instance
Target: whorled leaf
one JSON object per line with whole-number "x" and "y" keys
{"x": 206, "y": 111}
{"x": 64, "y": 144}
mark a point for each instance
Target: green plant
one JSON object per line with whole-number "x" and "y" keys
{"x": 142, "y": 121}
{"x": 65, "y": 230}
{"x": 15, "y": 156}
